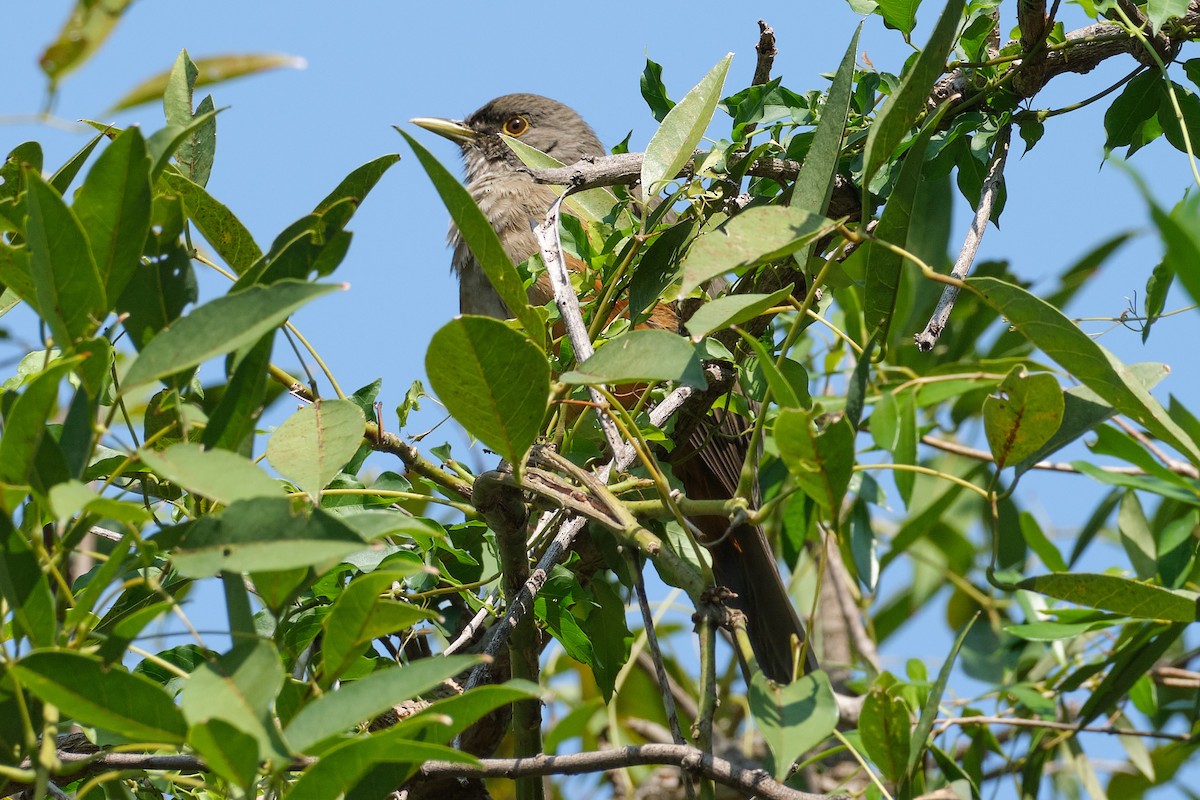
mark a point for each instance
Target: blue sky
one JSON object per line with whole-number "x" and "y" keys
{"x": 289, "y": 136}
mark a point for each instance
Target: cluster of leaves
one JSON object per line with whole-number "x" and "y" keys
{"x": 339, "y": 583}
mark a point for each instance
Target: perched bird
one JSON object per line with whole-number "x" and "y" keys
{"x": 708, "y": 466}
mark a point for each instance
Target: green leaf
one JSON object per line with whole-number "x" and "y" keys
{"x": 1040, "y": 544}
{"x": 260, "y": 535}
{"x": 1063, "y": 341}
{"x": 364, "y": 699}
{"x": 61, "y": 179}
{"x": 642, "y": 355}
{"x": 1159, "y": 11}
{"x": 341, "y": 768}
{"x": 481, "y": 238}
{"x": 1116, "y": 594}
{"x": 1189, "y": 110}
{"x": 1022, "y": 416}
{"x": 359, "y": 183}
{"x": 654, "y": 92}
{"x": 1132, "y": 661}
{"x": 450, "y": 716}
{"x": 732, "y": 310}
{"x": 220, "y": 326}
{"x": 793, "y": 718}
{"x": 1157, "y": 287}
{"x": 1137, "y": 102}
{"x": 25, "y": 587}
{"x": 783, "y": 390}
{"x": 93, "y": 693}
{"x": 311, "y": 446}
{"x": 814, "y": 184}
{"x": 1181, "y": 240}
{"x": 231, "y": 423}
{"x": 25, "y": 421}
{"x": 226, "y": 750}
{"x": 81, "y": 36}
{"x": 899, "y": 14}
{"x": 70, "y": 292}
{"x": 821, "y": 462}
{"x": 493, "y": 380}
{"x": 752, "y": 237}
{"x": 886, "y": 731}
{"x": 675, "y": 141}
{"x": 113, "y": 206}
{"x": 1136, "y": 537}
{"x": 224, "y": 231}
{"x": 882, "y": 266}
{"x": 933, "y": 700}
{"x": 195, "y": 153}
{"x": 658, "y": 269}
{"x": 163, "y": 144}
{"x": 905, "y": 106}
{"x": 359, "y": 615}
{"x": 590, "y": 205}
{"x": 219, "y": 475}
{"x": 239, "y": 689}
{"x": 209, "y": 71}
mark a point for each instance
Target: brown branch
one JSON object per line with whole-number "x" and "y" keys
{"x": 766, "y": 53}
{"x": 962, "y": 266}
{"x": 749, "y": 781}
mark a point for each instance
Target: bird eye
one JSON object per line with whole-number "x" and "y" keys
{"x": 516, "y": 126}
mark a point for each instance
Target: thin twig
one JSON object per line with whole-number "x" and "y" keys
{"x": 1019, "y": 722}
{"x": 987, "y": 198}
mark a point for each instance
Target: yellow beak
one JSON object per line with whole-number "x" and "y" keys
{"x": 453, "y": 130}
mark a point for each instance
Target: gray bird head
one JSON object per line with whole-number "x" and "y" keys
{"x": 548, "y": 125}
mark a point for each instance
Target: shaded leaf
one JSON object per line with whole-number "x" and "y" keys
{"x": 732, "y": 309}
{"x": 1116, "y": 594}
{"x": 219, "y": 475}
{"x": 1026, "y": 411}
{"x": 93, "y": 693}
{"x": 224, "y": 231}
{"x": 820, "y": 461}
{"x": 793, "y": 718}
{"x": 886, "y": 732}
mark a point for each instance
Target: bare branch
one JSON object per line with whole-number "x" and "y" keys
{"x": 987, "y": 198}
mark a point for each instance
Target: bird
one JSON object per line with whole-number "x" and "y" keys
{"x": 708, "y": 466}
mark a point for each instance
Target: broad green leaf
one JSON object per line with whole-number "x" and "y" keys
{"x": 450, "y": 716}
{"x": 481, "y": 238}
{"x": 732, "y": 310}
{"x": 226, "y": 750}
{"x": 1022, "y": 416}
{"x": 886, "y": 730}
{"x": 224, "y": 231}
{"x": 1083, "y": 410}
{"x": 1174, "y": 123}
{"x": 341, "y": 768}
{"x": 25, "y": 587}
{"x": 70, "y": 291}
{"x": 81, "y": 36}
{"x": 209, "y": 71}
{"x": 311, "y": 446}
{"x": 220, "y": 326}
{"x": 1117, "y": 594}
{"x": 216, "y": 474}
{"x": 1181, "y": 240}
{"x": 25, "y": 421}
{"x": 658, "y": 269}
{"x": 104, "y": 696}
{"x": 1128, "y": 112}
{"x": 901, "y": 15}
{"x": 642, "y": 355}
{"x": 194, "y": 155}
{"x": 882, "y": 266}
{"x": 239, "y": 689}
{"x": 493, "y": 380}
{"x": 231, "y": 423}
{"x": 793, "y": 718}
{"x": 359, "y": 615}
{"x": 163, "y": 144}
{"x": 364, "y": 699}
{"x": 260, "y": 535}
{"x": 675, "y": 141}
{"x": 1063, "y": 341}
{"x": 821, "y": 462}
{"x": 905, "y": 106}
{"x": 113, "y": 206}
{"x": 752, "y": 237}
{"x": 1159, "y": 11}
{"x": 654, "y": 92}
